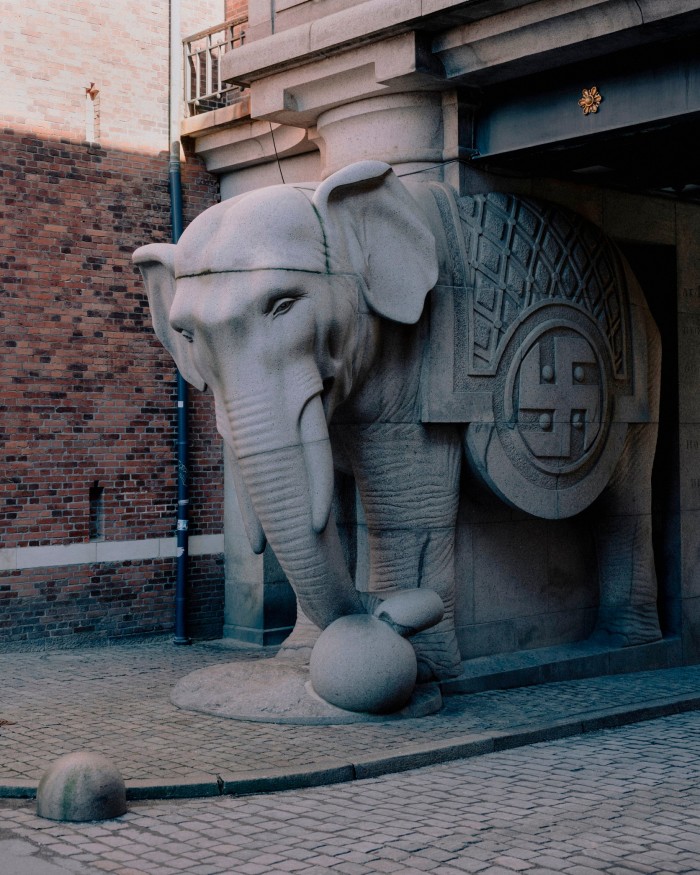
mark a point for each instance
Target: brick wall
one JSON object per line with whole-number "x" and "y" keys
{"x": 81, "y": 603}
{"x": 87, "y": 389}
{"x": 236, "y": 8}
{"x": 87, "y": 394}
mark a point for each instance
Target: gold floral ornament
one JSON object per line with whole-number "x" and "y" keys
{"x": 591, "y": 100}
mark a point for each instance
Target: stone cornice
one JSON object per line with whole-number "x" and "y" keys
{"x": 552, "y": 33}
{"x": 365, "y": 22}
{"x": 463, "y": 32}
{"x": 388, "y": 46}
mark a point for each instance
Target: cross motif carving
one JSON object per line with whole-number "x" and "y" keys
{"x": 562, "y": 394}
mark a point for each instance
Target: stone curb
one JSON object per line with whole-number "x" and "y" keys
{"x": 411, "y": 756}
{"x": 18, "y": 790}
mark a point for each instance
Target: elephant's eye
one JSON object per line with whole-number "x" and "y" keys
{"x": 282, "y": 306}
{"x": 189, "y": 337}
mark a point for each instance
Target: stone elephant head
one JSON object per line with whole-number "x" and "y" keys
{"x": 273, "y": 299}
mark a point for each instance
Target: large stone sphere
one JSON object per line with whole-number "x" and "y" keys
{"x": 81, "y": 786}
{"x": 361, "y": 664}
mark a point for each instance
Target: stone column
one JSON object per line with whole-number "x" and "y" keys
{"x": 405, "y": 130}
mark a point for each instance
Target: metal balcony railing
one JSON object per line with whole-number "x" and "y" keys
{"x": 204, "y": 89}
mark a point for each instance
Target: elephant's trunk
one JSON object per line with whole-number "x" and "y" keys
{"x": 290, "y": 489}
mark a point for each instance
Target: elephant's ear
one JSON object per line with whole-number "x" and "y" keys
{"x": 157, "y": 265}
{"x": 368, "y": 214}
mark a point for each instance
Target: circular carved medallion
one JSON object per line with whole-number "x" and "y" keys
{"x": 554, "y": 441}
{"x": 555, "y": 401}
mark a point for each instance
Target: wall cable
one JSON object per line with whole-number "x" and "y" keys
{"x": 274, "y": 146}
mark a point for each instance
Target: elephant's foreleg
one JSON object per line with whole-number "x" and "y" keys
{"x": 408, "y": 558}
{"x": 408, "y": 478}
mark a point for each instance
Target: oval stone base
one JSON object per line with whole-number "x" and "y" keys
{"x": 277, "y": 691}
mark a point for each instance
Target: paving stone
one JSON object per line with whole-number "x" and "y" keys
{"x": 512, "y": 864}
{"x": 617, "y": 801}
{"x": 119, "y": 694}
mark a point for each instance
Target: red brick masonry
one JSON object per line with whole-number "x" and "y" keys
{"x": 87, "y": 392}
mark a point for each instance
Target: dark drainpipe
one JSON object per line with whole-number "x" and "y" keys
{"x": 182, "y": 438}
{"x": 175, "y": 186}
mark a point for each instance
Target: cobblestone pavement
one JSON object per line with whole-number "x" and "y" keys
{"x": 619, "y": 801}
{"x": 116, "y": 700}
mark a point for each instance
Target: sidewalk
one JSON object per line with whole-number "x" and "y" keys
{"x": 115, "y": 700}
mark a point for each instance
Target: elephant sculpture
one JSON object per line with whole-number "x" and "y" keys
{"x": 393, "y": 331}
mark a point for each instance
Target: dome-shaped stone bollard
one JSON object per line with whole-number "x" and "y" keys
{"x": 361, "y": 664}
{"x": 81, "y": 786}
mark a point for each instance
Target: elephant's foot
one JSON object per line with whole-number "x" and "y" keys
{"x": 298, "y": 646}
{"x": 627, "y": 626}
{"x": 437, "y": 652}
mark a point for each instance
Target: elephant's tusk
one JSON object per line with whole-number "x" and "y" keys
{"x": 318, "y": 458}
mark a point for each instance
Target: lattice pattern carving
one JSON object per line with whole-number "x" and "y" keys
{"x": 521, "y": 253}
